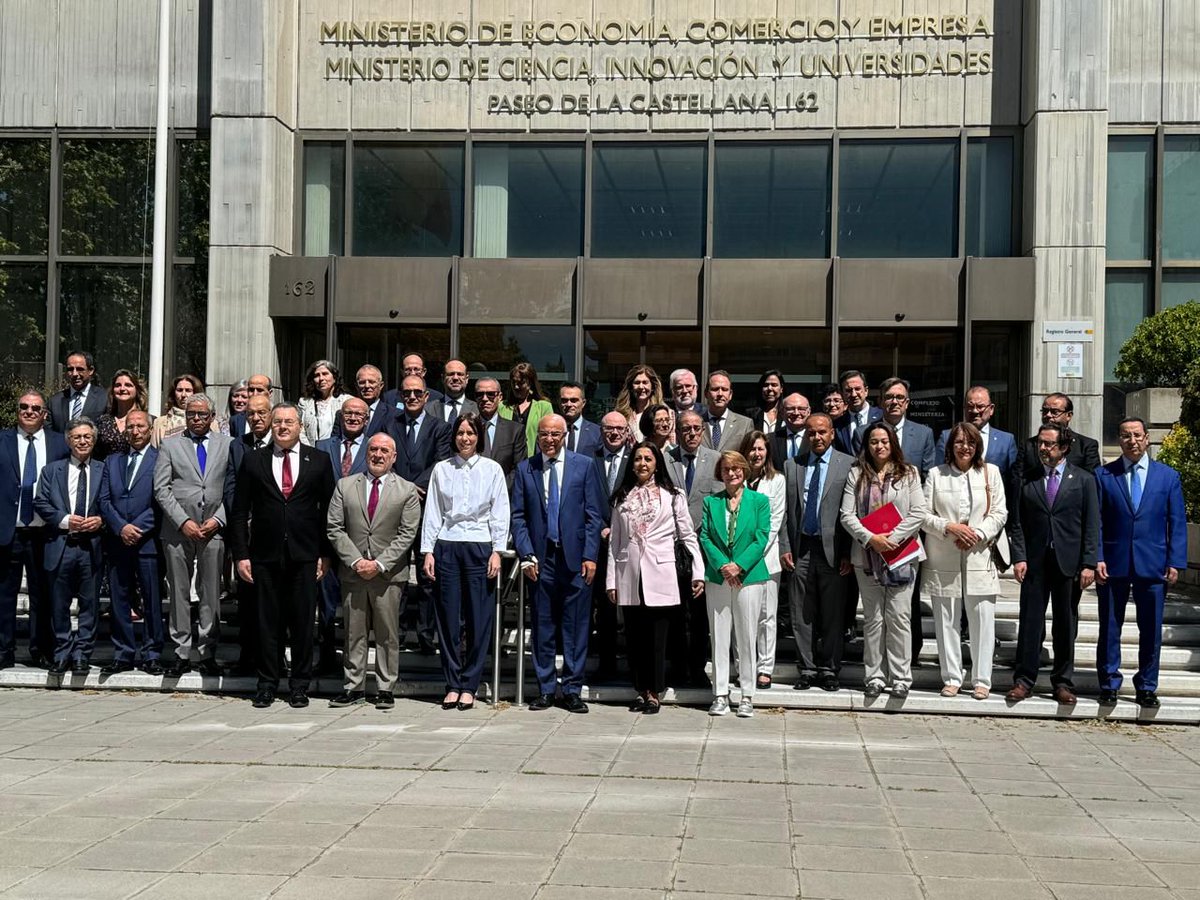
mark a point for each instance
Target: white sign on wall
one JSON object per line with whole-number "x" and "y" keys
{"x": 1083, "y": 331}
{"x": 1070, "y": 360}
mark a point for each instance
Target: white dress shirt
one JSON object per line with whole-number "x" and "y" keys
{"x": 73, "y": 483}
{"x": 277, "y": 465}
{"x": 558, "y": 461}
{"x": 985, "y": 435}
{"x": 467, "y": 502}
{"x": 448, "y": 406}
{"x": 39, "y": 450}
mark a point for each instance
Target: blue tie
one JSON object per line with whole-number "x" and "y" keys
{"x": 812, "y": 502}
{"x": 201, "y": 454}
{"x": 716, "y": 433}
{"x": 690, "y": 477}
{"x": 1135, "y": 486}
{"x": 28, "y": 480}
{"x": 552, "y": 503}
{"x": 132, "y": 465}
{"x": 81, "y": 492}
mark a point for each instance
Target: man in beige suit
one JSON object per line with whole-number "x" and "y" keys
{"x": 374, "y": 517}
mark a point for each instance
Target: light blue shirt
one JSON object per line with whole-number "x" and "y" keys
{"x": 1144, "y": 465}
{"x": 1059, "y": 469}
{"x": 420, "y": 421}
{"x": 823, "y": 472}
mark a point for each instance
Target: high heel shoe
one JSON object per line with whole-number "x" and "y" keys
{"x": 463, "y": 707}
{"x": 448, "y": 703}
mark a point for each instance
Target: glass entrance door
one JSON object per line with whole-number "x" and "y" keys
{"x": 928, "y": 359}
{"x": 608, "y": 354}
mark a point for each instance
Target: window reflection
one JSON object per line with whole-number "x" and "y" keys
{"x": 107, "y": 310}
{"x": 24, "y": 197}
{"x": 324, "y": 198}
{"x": 989, "y": 196}
{"x": 648, "y": 201}
{"x": 1130, "y": 197}
{"x": 802, "y": 354}
{"x": 1181, "y": 197}
{"x": 528, "y": 200}
{"x": 494, "y": 349}
{"x": 107, "y": 197}
{"x": 23, "y": 312}
{"x": 408, "y": 199}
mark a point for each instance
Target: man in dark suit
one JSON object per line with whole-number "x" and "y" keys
{"x": 684, "y": 390}
{"x": 67, "y": 499}
{"x": 723, "y": 428}
{"x": 421, "y": 442}
{"x": 557, "y": 517}
{"x": 612, "y": 459}
{"x": 999, "y": 447}
{"x": 369, "y": 381}
{"x": 256, "y": 386}
{"x": 1054, "y": 529}
{"x": 1143, "y": 527}
{"x": 257, "y": 436}
{"x": 279, "y": 544}
{"x": 503, "y": 440}
{"x": 131, "y": 549}
{"x": 410, "y": 364}
{"x": 583, "y": 437}
{"x": 1057, "y": 409}
{"x": 454, "y": 401}
{"x": 859, "y": 412}
{"x": 24, "y": 452}
{"x": 82, "y": 396}
{"x": 817, "y": 553}
{"x": 789, "y": 441}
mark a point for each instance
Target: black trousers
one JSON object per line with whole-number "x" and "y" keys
{"x": 688, "y": 639}
{"x": 1046, "y": 584}
{"x": 646, "y": 629}
{"x": 604, "y": 617}
{"x": 287, "y": 604}
{"x": 817, "y": 597}
{"x": 247, "y": 616}
{"x": 418, "y": 594}
{"x": 26, "y": 553}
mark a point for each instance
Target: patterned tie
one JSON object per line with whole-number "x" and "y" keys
{"x": 716, "y": 433}
{"x": 691, "y": 471}
{"x": 201, "y": 454}
{"x": 451, "y": 410}
{"x": 28, "y": 481}
{"x": 81, "y": 492}
{"x": 611, "y": 474}
{"x": 571, "y": 438}
{"x": 795, "y": 439}
{"x": 287, "y": 474}
{"x": 347, "y": 458}
{"x": 1135, "y": 486}
{"x": 130, "y": 466}
{"x": 552, "y": 502}
{"x": 76, "y": 405}
{"x": 373, "y": 500}
{"x": 1051, "y": 486}
{"x": 812, "y": 501}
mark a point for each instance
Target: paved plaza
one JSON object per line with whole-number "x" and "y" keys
{"x": 106, "y": 794}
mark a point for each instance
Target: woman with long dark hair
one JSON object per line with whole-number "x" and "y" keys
{"x": 525, "y": 403}
{"x": 879, "y": 477}
{"x": 172, "y": 421}
{"x": 323, "y": 397}
{"x": 125, "y": 394}
{"x": 657, "y": 424}
{"x": 641, "y": 390}
{"x": 767, "y": 413}
{"x": 648, "y": 513}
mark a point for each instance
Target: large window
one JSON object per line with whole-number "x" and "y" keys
{"x": 106, "y": 309}
{"x": 771, "y": 200}
{"x": 1181, "y": 197}
{"x": 528, "y": 200}
{"x": 494, "y": 349}
{"x": 803, "y": 355}
{"x": 24, "y": 197}
{"x": 23, "y": 312}
{"x": 107, "y": 197}
{"x": 324, "y": 198}
{"x": 990, "y": 196}
{"x": 648, "y": 200}
{"x": 608, "y": 355}
{"x": 898, "y": 199}
{"x": 408, "y": 199}
{"x": 1130, "y": 196}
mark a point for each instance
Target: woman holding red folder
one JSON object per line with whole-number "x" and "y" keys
{"x": 883, "y": 486}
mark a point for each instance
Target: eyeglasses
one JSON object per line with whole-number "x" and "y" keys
{"x": 613, "y": 429}
{"x": 412, "y": 392}
{"x": 353, "y": 415}
{"x": 795, "y": 411}
{"x": 1051, "y": 411}
{"x": 551, "y": 434}
{"x": 30, "y": 407}
{"x": 691, "y": 429}
{"x": 486, "y": 395}
{"x": 895, "y": 398}
{"x": 197, "y": 414}
{"x": 77, "y": 370}
{"x": 979, "y": 407}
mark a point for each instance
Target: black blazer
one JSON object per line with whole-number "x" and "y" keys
{"x": 1072, "y": 525}
{"x": 509, "y": 447}
{"x": 264, "y": 527}
{"x": 779, "y": 446}
{"x": 60, "y": 407}
{"x": 381, "y": 420}
{"x": 1084, "y": 453}
{"x": 434, "y": 443}
{"x": 599, "y": 456}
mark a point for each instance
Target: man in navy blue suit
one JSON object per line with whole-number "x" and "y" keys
{"x": 1143, "y": 545}
{"x": 24, "y": 452}
{"x": 68, "y": 491}
{"x": 583, "y": 437}
{"x": 131, "y": 549}
{"x": 369, "y": 381}
{"x": 859, "y": 413}
{"x": 422, "y": 441}
{"x": 999, "y": 447}
{"x": 557, "y": 516}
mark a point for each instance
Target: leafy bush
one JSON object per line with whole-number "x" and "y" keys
{"x": 1181, "y": 451}
{"x": 11, "y": 390}
{"x": 1161, "y": 348}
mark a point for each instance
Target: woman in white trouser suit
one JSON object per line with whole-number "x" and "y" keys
{"x": 966, "y": 515}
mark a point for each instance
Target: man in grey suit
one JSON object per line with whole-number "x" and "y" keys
{"x": 373, "y": 520}
{"x": 692, "y": 468}
{"x": 454, "y": 401}
{"x": 193, "y": 484}
{"x": 723, "y": 428}
{"x": 816, "y": 550}
{"x": 503, "y": 441}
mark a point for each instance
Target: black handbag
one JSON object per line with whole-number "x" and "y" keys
{"x": 683, "y": 558}
{"x": 999, "y": 558}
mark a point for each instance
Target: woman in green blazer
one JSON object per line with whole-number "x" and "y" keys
{"x": 524, "y": 402}
{"x": 733, "y": 537}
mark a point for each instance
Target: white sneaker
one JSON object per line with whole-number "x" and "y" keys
{"x": 720, "y": 706}
{"x": 745, "y": 708}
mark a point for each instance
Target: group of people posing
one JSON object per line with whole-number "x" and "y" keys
{"x": 674, "y": 514}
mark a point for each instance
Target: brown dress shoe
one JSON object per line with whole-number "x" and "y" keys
{"x": 1020, "y": 691}
{"x": 1064, "y": 695}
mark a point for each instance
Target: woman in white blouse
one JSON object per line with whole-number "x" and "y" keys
{"x": 465, "y": 528}
{"x": 966, "y": 515}
{"x": 766, "y": 480}
{"x": 323, "y": 397}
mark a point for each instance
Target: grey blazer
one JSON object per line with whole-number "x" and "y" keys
{"x": 180, "y": 489}
{"x": 736, "y": 427}
{"x": 437, "y": 408}
{"x": 704, "y": 482}
{"x": 387, "y": 538}
{"x": 834, "y": 539}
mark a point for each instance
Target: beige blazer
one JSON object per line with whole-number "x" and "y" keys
{"x": 909, "y": 501}
{"x": 386, "y": 539}
{"x": 949, "y": 572}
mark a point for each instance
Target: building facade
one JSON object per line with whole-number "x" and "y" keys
{"x": 955, "y": 191}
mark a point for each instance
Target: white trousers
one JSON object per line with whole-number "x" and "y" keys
{"x": 767, "y": 628}
{"x": 887, "y": 631}
{"x": 981, "y": 623}
{"x": 733, "y": 617}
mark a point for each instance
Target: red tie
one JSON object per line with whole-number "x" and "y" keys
{"x": 347, "y": 459}
{"x": 287, "y": 474}
{"x": 373, "y": 500}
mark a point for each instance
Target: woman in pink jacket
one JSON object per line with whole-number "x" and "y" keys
{"x": 648, "y": 514}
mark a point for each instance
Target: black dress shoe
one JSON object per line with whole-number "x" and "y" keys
{"x": 178, "y": 669}
{"x": 81, "y": 667}
{"x": 426, "y": 649}
{"x": 59, "y": 667}
{"x": 830, "y": 682}
{"x": 1108, "y": 698}
{"x": 39, "y": 660}
{"x": 116, "y": 668}
{"x": 451, "y": 704}
{"x": 803, "y": 682}
{"x": 152, "y": 667}
{"x": 264, "y": 698}
{"x": 542, "y": 701}
{"x": 299, "y": 699}
{"x": 384, "y": 700}
{"x": 346, "y": 698}
{"x": 1148, "y": 700}
{"x": 209, "y": 669}
{"x": 638, "y": 704}
{"x": 573, "y": 703}
{"x": 464, "y": 707}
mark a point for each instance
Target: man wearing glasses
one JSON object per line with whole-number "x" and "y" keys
{"x": 82, "y": 396}
{"x": 557, "y": 517}
{"x": 68, "y": 498}
{"x": 999, "y": 447}
{"x": 454, "y": 402}
{"x": 791, "y": 440}
{"x": 503, "y": 440}
{"x": 256, "y": 386}
{"x": 24, "y": 453}
{"x": 193, "y": 484}
{"x": 1084, "y": 452}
